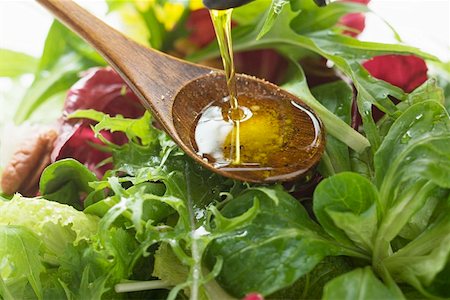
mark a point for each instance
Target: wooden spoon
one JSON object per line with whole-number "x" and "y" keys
{"x": 176, "y": 91}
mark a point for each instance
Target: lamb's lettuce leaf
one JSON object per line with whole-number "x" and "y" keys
{"x": 347, "y": 206}
{"x": 357, "y": 284}
{"x": 402, "y": 220}
{"x": 311, "y": 285}
{"x": 281, "y": 226}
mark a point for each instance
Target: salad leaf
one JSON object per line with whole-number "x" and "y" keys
{"x": 423, "y": 123}
{"x": 13, "y": 63}
{"x": 59, "y": 78}
{"x": 421, "y": 260}
{"x": 311, "y": 285}
{"x": 337, "y": 97}
{"x": 247, "y": 14}
{"x": 21, "y": 263}
{"x": 346, "y": 205}
{"x": 38, "y": 233}
{"x": 357, "y": 284}
{"x": 281, "y": 225}
{"x": 65, "y": 181}
{"x": 65, "y": 56}
{"x": 53, "y": 222}
{"x": 272, "y": 14}
{"x": 320, "y": 18}
{"x": 89, "y": 269}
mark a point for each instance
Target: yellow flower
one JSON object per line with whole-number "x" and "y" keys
{"x": 168, "y": 13}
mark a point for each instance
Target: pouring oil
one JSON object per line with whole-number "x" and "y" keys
{"x": 267, "y": 136}
{"x": 221, "y": 20}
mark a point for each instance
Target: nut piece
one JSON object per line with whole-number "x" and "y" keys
{"x": 24, "y": 170}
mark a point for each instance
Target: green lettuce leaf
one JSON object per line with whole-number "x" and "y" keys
{"x": 337, "y": 97}
{"x": 21, "y": 262}
{"x": 311, "y": 285}
{"x": 347, "y": 206}
{"x": 357, "y": 284}
{"x": 65, "y": 55}
{"x": 14, "y": 64}
{"x": 272, "y": 251}
{"x": 56, "y": 224}
{"x": 66, "y": 181}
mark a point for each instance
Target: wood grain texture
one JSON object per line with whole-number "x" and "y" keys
{"x": 175, "y": 91}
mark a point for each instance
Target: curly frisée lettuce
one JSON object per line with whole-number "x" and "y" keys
{"x": 37, "y": 233}
{"x": 52, "y": 251}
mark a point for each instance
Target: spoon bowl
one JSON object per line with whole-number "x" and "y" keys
{"x": 203, "y": 92}
{"x": 176, "y": 91}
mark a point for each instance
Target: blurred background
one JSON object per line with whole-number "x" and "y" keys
{"x": 421, "y": 23}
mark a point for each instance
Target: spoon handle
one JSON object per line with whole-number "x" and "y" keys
{"x": 153, "y": 75}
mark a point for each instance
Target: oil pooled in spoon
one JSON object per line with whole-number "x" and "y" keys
{"x": 278, "y": 137}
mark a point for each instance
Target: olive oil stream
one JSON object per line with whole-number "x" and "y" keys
{"x": 221, "y": 20}
{"x": 270, "y": 136}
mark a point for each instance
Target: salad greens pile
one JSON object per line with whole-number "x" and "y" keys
{"x": 157, "y": 225}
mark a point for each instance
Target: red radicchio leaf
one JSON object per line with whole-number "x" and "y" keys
{"x": 266, "y": 63}
{"x": 104, "y": 90}
{"x": 355, "y": 21}
{"x": 200, "y": 27}
{"x": 101, "y": 89}
{"x": 404, "y": 71}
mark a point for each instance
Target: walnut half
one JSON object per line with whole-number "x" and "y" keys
{"x": 23, "y": 171}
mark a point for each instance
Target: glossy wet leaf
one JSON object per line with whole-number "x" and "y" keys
{"x": 337, "y": 97}
{"x": 424, "y": 261}
{"x": 288, "y": 245}
{"x": 418, "y": 126}
{"x": 65, "y": 181}
{"x": 311, "y": 285}
{"x": 418, "y": 141}
{"x": 346, "y": 206}
{"x": 357, "y": 284}
{"x": 272, "y": 14}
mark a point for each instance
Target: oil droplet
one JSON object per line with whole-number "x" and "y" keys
{"x": 406, "y": 137}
